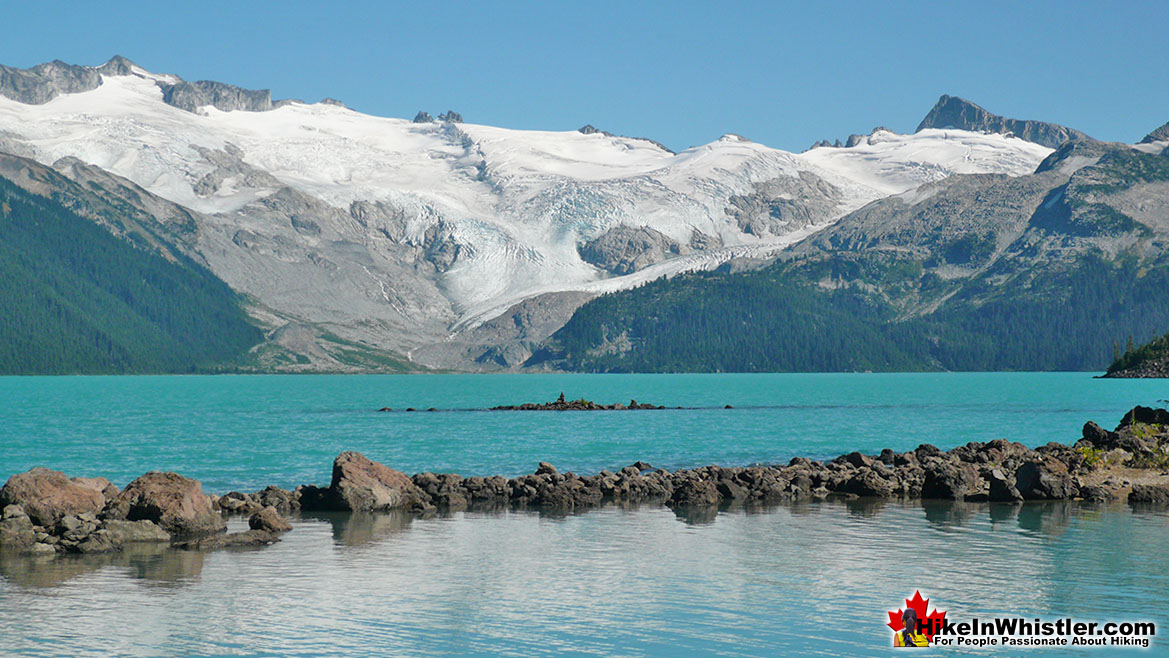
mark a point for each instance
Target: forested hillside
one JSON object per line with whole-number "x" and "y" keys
{"x": 1043, "y": 272}
{"x": 77, "y": 299}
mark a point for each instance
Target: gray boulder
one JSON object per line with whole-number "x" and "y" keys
{"x": 1045, "y": 479}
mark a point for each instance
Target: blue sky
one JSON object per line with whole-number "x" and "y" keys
{"x": 783, "y": 74}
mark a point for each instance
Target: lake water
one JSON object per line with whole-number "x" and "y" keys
{"x": 790, "y": 579}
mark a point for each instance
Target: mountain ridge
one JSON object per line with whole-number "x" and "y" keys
{"x": 956, "y": 112}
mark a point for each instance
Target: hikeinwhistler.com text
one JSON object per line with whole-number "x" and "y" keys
{"x": 1020, "y": 632}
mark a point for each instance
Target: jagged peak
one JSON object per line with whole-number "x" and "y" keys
{"x": 1159, "y": 135}
{"x": 957, "y": 113}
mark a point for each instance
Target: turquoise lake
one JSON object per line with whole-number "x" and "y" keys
{"x": 806, "y": 579}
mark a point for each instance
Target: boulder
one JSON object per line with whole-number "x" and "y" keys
{"x": 947, "y": 480}
{"x": 1002, "y": 488}
{"x": 1045, "y": 479}
{"x": 16, "y": 531}
{"x": 867, "y": 483}
{"x": 282, "y": 499}
{"x": 47, "y": 496}
{"x": 695, "y": 493}
{"x": 102, "y": 485}
{"x": 1149, "y": 494}
{"x": 269, "y": 520}
{"x": 175, "y": 503}
{"x": 544, "y": 468}
{"x": 362, "y": 485}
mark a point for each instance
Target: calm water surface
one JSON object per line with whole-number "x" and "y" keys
{"x": 813, "y": 579}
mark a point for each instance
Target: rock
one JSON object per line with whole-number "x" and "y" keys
{"x": 233, "y": 540}
{"x": 101, "y": 485}
{"x": 190, "y": 96}
{"x": 235, "y": 502}
{"x": 545, "y": 468}
{"x": 1098, "y": 437}
{"x": 423, "y": 117}
{"x": 129, "y": 532}
{"x": 282, "y": 499}
{"x": 16, "y": 532}
{"x": 269, "y": 520}
{"x": 946, "y": 480}
{"x": 1149, "y": 494}
{"x": 695, "y": 493}
{"x": 360, "y": 484}
{"x": 858, "y": 460}
{"x": 1002, "y": 488}
{"x": 867, "y": 483}
{"x": 1045, "y": 479}
{"x": 176, "y": 503}
{"x": 1097, "y": 494}
{"x": 450, "y": 116}
{"x": 47, "y": 495}
{"x": 100, "y": 541}
{"x": 1145, "y": 415}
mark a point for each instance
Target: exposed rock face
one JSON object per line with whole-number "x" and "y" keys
{"x": 1159, "y": 135}
{"x": 450, "y": 116}
{"x": 47, "y": 496}
{"x": 784, "y": 204}
{"x": 590, "y": 129}
{"x": 362, "y": 485}
{"x": 954, "y": 112}
{"x": 175, "y": 503}
{"x": 423, "y": 117}
{"x": 44, "y": 82}
{"x": 626, "y": 249}
{"x": 190, "y": 96}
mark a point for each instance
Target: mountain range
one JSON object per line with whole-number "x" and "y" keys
{"x": 356, "y": 243}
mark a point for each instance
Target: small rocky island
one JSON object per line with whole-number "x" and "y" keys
{"x": 1148, "y": 361}
{"x": 47, "y": 512}
{"x": 560, "y": 404}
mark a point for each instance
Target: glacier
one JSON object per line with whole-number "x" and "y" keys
{"x": 408, "y": 236}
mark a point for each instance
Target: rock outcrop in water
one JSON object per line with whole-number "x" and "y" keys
{"x": 46, "y": 512}
{"x": 560, "y": 404}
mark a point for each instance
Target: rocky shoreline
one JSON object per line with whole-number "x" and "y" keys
{"x": 46, "y": 512}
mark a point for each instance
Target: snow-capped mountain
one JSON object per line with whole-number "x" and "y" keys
{"x": 409, "y": 235}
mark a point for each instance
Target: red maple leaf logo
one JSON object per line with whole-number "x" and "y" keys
{"x": 919, "y": 606}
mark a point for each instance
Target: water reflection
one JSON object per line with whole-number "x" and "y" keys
{"x": 155, "y": 563}
{"x": 619, "y": 580}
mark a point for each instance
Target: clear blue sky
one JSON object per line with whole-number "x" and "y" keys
{"x": 784, "y": 74}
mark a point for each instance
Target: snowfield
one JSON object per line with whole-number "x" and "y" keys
{"x": 505, "y": 210}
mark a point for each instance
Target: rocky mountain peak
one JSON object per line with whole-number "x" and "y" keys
{"x": 117, "y": 65}
{"x": 1159, "y": 135}
{"x": 451, "y": 116}
{"x": 423, "y": 117}
{"x": 960, "y": 114}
